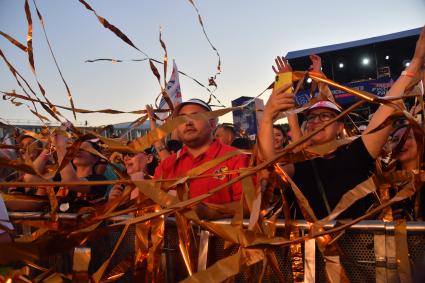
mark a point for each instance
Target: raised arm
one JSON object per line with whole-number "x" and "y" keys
{"x": 316, "y": 66}
{"x": 159, "y": 145}
{"x": 39, "y": 165}
{"x": 374, "y": 142}
{"x": 68, "y": 173}
{"x": 283, "y": 66}
{"x": 278, "y": 101}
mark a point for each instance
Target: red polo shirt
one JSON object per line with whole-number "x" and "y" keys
{"x": 178, "y": 164}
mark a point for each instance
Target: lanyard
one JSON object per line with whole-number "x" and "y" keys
{"x": 320, "y": 186}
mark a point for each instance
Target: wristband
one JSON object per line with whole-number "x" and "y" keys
{"x": 408, "y": 74}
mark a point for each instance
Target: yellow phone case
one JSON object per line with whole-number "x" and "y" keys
{"x": 282, "y": 79}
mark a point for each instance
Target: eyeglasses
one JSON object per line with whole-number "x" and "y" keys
{"x": 129, "y": 154}
{"x": 323, "y": 117}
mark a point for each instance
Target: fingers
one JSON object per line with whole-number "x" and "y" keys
{"x": 314, "y": 57}
{"x": 282, "y": 65}
{"x": 285, "y": 101}
{"x": 279, "y": 102}
{"x": 280, "y": 62}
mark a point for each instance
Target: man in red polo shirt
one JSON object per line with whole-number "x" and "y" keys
{"x": 200, "y": 147}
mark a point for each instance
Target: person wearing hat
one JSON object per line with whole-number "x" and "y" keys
{"x": 81, "y": 168}
{"x": 325, "y": 180}
{"x": 29, "y": 147}
{"x": 199, "y": 147}
{"x": 225, "y": 133}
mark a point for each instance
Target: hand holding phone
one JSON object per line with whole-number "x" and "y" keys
{"x": 283, "y": 74}
{"x": 282, "y": 79}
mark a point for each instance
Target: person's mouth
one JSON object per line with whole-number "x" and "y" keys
{"x": 189, "y": 130}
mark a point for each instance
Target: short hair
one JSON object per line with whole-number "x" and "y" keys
{"x": 228, "y": 127}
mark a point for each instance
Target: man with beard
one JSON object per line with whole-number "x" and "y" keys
{"x": 200, "y": 147}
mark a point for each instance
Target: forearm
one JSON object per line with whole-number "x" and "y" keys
{"x": 28, "y": 178}
{"x": 296, "y": 132}
{"x": 162, "y": 151}
{"x": 160, "y": 148}
{"x": 265, "y": 140}
{"x": 39, "y": 166}
{"x": 68, "y": 174}
{"x": 40, "y": 162}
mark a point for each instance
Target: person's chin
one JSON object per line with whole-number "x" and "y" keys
{"x": 189, "y": 138}
{"x": 318, "y": 140}
{"x": 131, "y": 169}
{"x": 405, "y": 156}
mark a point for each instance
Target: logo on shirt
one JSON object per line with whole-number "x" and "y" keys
{"x": 219, "y": 171}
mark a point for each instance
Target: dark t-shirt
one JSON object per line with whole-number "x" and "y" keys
{"x": 75, "y": 202}
{"x": 342, "y": 171}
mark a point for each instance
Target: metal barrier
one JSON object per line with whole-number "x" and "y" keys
{"x": 367, "y": 252}
{"x": 357, "y": 244}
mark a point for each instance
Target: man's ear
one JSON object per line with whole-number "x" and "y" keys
{"x": 340, "y": 129}
{"x": 213, "y": 123}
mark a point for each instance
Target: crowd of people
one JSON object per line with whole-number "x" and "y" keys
{"x": 195, "y": 143}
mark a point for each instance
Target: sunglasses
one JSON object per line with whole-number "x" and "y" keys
{"x": 129, "y": 154}
{"x": 132, "y": 154}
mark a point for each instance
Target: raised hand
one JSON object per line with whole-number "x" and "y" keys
{"x": 59, "y": 141}
{"x": 116, "y": 192}
{"x": 282, "y": 65}
{"x": 278, "y": 101}
{"x": 316, "y": 63}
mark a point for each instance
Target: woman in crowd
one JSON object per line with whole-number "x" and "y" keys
{"x": 82, "y": 168}
{"x": 139, "y": 166}
{"x": 324, "y": 180}
{"x": 280, "y": 138}
{"x": 404, "y": 144}
{"x": 29, "y": 147}
{"x": 30, "y": 150}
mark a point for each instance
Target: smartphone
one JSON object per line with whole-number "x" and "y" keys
{"x": 282, "y": 79}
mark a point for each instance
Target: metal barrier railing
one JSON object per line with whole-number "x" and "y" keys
{"x": 368, "y": 252}
{"x": 413, "y": 226}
